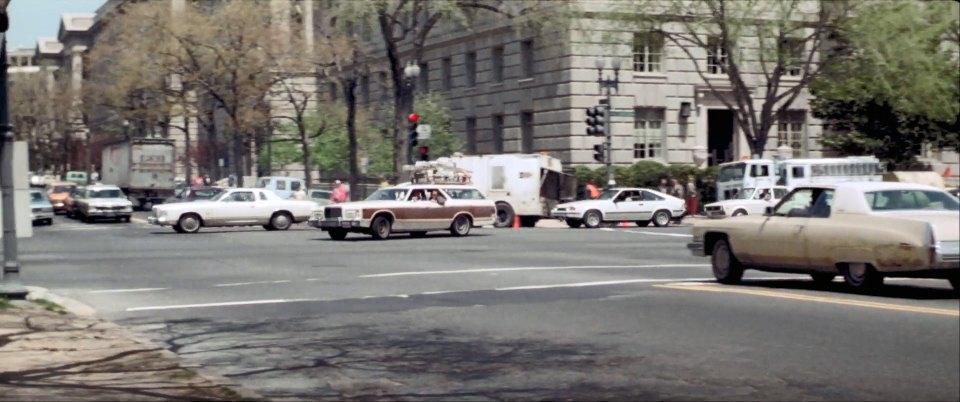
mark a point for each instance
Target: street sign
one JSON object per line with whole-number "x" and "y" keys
{"x": 424, "y": 131}
{"x": 621, "y": 113}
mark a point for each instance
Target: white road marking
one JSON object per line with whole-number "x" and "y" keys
{"x": 647, "y": 233}
{"x": 224, "y": 304}
{"x": 480, "y": 270}
{"x": 139, "y": 220}
{"x": 127, "y": 290}
{"x": 224, "y": 285}
{"x": 601, "y": 283}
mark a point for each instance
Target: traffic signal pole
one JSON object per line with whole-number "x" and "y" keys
{"x": 10, "y": 286}
{"x": 608, "y": 141}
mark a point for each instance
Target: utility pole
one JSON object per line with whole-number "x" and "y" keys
{"x": 10, "y": 286}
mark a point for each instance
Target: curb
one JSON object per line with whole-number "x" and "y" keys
{"x": 80, "y": 309}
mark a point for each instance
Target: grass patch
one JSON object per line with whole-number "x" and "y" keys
{"x": 50, "y": 306}
{"x": 229, "y": 393}
{"x": 5, "y": 303}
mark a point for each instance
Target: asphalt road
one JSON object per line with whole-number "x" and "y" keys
{"x": 544, "y": 313}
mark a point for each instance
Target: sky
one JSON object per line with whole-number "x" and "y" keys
{"x": 31, "y": 19}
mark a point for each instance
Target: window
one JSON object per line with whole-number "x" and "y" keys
{"x": 497, "y": 134}
{"x": 365, "y": 88}
{"x": 464, "y": 194}
{"x": 911, "y": 199}
{"x": 281, "y": 185}
{"x": 648, "y": 133}
{"x": 447, "y": 74}
{"x": 797, "y": 203}
{"x": 648, "y": 196}
{"x": 470, "y": 65}
{"x": 716, "y": 56}
{"x": 629, "y": 195}
{"x": 471, "y": 131}
{"x": 647, "y": 51}
{"x": 790, "y": 131}
{"x": 792, "y": 51}
{"x": 526, "y": 54}
{"x": 240, "y": 196}
{"x": 759, "y": 171}
{"x": 424, "y": 77}
{"x": 797, "y": 172}
{"x": 526, "y": 132}
{"x": 496, "y": 57}
{"x": 263, "y": 196}
{"x": 778, "y": 193}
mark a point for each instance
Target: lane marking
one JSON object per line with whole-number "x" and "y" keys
{"x": 223, "y": 304}
{"x": 817, "y": 299}
{"x": 139, "y": 220}
{"x": 601, "y": 283}
{"x": 646, "y": 233}
{"x": 128, "y": 290}
{"x": 557, "y": 268}
{"x": 225, "y": 285}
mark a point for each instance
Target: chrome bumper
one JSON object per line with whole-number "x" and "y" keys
{"x": 333, "y": 224}
{"x": 696, "y": 248}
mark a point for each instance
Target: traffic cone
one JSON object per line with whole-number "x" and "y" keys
{"x": 516, "y": 222}
{"x": 624, "y": 224}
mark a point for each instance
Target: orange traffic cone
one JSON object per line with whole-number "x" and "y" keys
{"x": 516, "y": 222}
{"x": 624, "y": 224}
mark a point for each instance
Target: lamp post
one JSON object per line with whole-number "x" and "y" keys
{"x": 410, "y": 72}
{"x": 610, "y": 84}
{"x": 10, "y": 286}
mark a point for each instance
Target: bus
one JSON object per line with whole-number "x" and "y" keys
{"x": 733, "y": 177}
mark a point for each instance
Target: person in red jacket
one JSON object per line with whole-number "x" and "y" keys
{"x": 339, "y": 193}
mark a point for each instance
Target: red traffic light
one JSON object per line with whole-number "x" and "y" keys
{"x": 413, "y": 117}
{"x": 424, "y": 150}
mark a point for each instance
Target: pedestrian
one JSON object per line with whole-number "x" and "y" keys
{"x": 339, "y": 193}
{"x": 206, "y": 180}
{"x": 664, "y": 186}
{"x": 593, "y": 191}
{"x": 691, "y": 195}
{"x": 676, "y": 189}
{"x": 299, "y": 194}
{"x": 198, "y": 181}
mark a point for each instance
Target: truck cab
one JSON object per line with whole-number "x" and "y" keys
{"x": 284, "y": 187}
{"x": 76, "y": 176}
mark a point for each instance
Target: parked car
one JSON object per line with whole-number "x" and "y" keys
{"x": 284, "y": 187}
{"x": 76, "y": 176}
{"x": 750, "y": 201}
{"x": 61, "y": 195}
{"x": 102, "y": 201}
{"x": 861, "y": 230}
{"x": 190, "y": 194}
{"x": 234, "y": 207}
{"x": 639, "y": 205}
{"x": 408, "y": 209}
{"x": 41, "y": 210}
{"x": 321, "y": 197}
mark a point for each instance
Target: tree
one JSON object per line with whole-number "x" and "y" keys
{"x": 756, "y": 44}
{"x": 433, "y": 110}
{"x": 893, "y": 83}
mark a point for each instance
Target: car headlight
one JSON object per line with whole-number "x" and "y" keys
{"x": 59, "y": 204}
{"x": 351, "y": 214}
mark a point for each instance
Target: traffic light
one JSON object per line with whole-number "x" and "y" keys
{"x": 598, "y": 153}
{"x": 413, "y": 118}
{"x": 596, "y": 121}
{"x": 425, "y": 153}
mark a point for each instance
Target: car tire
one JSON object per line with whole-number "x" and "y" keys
{"x": 417, "y": 235}
{"x": 529, "y": 221}
{"x": 146, "y": 206}
{"x": 380, "y": 228}
{"x": 505, "y": 215}
{"x": 461, "y": 226}
{"x": 190, "y": 223}
{"x": 49, "y": 222}
{"x": 822, "y": 278}
{"x": 661, "y": 218}
{"x": 739, "y": 212}
{"x": 643, "y": 224}
{"x": 726, "y": 267}
{"x": 574, "y": 223}
{"x": 592, "y": 219}
{"x": 281, "y": 221}
{"x": 337, "y": 234}
{"x": 178, "y": 229}
{"x": 861, "y": 277}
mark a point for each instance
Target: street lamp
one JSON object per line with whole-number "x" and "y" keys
{"x": 410, "y": 72}
{"x": 609, "y": 84}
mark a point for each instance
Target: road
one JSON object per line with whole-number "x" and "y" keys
{"x": 544, "y": 313}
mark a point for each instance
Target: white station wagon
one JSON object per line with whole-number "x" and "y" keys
{"x": 235, "y": 207}
{"x": 639, "y": 205}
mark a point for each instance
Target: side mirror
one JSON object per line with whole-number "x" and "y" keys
{"x": 768, "y": 211}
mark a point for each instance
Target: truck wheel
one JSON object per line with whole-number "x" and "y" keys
{"x": 661, "y": 219}
{"x": 504, "y": 215}
{"x": 380, "y": 229}
{"x": 592, "y": 219}
{"x": 574, "y": 223}
{"x": 190, "y": 223}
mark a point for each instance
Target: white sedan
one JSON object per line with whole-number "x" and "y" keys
{"x": 639, "y": 205}
{"x": 236, "y": 207}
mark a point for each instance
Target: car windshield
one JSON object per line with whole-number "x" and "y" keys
{"x": 111, "y": 193}
{"x": 63, "y": 189}
{"x": 37, "y": 197}
{"x": 746, "y": 194}
{"x": 608, "y": 194}
{"x": 204, "y": 194}
{"x": 900, "y": 200}
{"x": 731, "y": 173}
{"x": 388, "y": 194}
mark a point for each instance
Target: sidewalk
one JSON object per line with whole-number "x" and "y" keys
{"x": 50, "y": 354}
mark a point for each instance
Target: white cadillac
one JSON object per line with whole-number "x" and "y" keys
{"x": 750, "y": 201}
{"x": 235, "y": 207}
{"x": 639, "y": 205}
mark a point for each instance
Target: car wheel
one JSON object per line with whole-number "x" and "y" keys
{"x": 281, "y": 221}
{"x": 337, "y": 234}
{"x": 643, "y": 224}
{"x": 861, "y": 276}
{"x": 49, "y": 222}
{"x": 504, "y": 215}
{"x": 190, "y": 223}
{"x": 418, "y": 235}
{"x": 178, "y": 229}
{"x": 739, "y": 212}
{"x": 461, "y": 226}
{"x": 661, "y": 219}
{"x": 574, "y": 223}
{"x": 380, "y": 229}
{"x": 592, "y": 219}
{"x": 822, "y": 278}
{"x": 146, "y": 206}
{"x": 726, "y": 267}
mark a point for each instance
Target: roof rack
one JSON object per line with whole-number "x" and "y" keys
{"x": 438, "y": 173}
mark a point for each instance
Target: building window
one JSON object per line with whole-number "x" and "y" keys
{"x": 424, "y": 77}
{"x": 496, "y": 57}
{"x": 526, "y": 54}
{"x": 792, "y": 51}
{"x": 365, "y": 88}
{"x": 447, "y": 74}
{"x": 647, "y": 51}
{"x": 790, "y": 131}
{"x": 716, "y": 56}
{"x": 470, "y": 65}
{"x": 526, "y": 132}
{"x": 497, "y": 133}
{"x": 471, "y": 130}
{"x": 648, "y": 133}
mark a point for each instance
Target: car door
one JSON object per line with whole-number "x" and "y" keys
{"x": 240, "y": 209}
{"x": 820, "y": 234}
{"x": 263, "y": 208}
{"x": 626, "y": 206}
{"x": 780, "y": 239}
{"x": 651, "y": 203}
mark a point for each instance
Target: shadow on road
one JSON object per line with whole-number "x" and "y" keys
{"x": 889, "y": 289}
{"x": 398, "y": 236}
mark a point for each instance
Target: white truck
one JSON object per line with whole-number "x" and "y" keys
{"x": 527, "y": 186}
{"x": 144, "y": 168}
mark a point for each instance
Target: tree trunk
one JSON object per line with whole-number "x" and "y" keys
{"x": 237, "y": 154}
{"x": 349, "y": 95}
{"x": 187, "y": 150}
{"x": 307, "y": 156}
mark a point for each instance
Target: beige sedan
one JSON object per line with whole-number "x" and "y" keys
{"x": 864, "y": 231}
